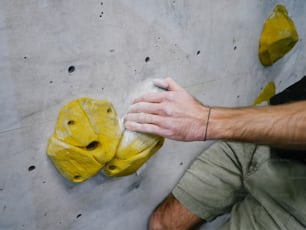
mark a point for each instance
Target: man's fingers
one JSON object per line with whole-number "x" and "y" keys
{"x": 172, "y": 85}
{"x": 144, "y": 128}
{"x": 142, "y": 118}
{"x": 161, "y": 83}
{"x": 145, "y": 107}
{"x": 152, "y": 97}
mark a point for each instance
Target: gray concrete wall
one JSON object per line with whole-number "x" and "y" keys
{"x": 210, "y": 47}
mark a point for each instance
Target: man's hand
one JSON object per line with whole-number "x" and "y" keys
{"x": 173, "y": 114}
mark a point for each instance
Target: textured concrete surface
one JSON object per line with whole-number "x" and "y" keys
{"x": 210, "y": 47}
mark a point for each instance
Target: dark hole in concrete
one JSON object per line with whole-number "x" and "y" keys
{"x": 25, "y": 57}
{"x": 50, "y": 82}
{"x": 71, "y": 69}
{"x": 235, "y": 47}
{"x": 31, "y": 168}
{"x": 109, "y": 110}
{"x": 101, "y": 3}
{"x": 147, "y": 59}
{"x": 198, "y": 52}
{"x": 92, "y": 145}
{"x": 79, "y": 215}
{"x": 181, "y": 163}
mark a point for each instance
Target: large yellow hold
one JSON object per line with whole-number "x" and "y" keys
{"x": 278, "y": 36}
{"x": 88, "y": 137}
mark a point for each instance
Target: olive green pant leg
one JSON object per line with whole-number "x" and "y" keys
{"x": 260, "y": 190}
{"x": 214, "y": 182}
{"x": 277, "y": 196}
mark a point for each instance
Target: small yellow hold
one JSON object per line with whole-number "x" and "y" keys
{"x": 265, "y": 95}
{"x": 133, "y": 151}
{"x": 74, "y": 163}
{"x": 278, "y": 36}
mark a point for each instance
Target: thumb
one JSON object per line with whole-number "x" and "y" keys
{"x": 172, "y": 85}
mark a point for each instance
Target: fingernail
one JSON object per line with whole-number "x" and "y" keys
{"x": 160, "y": 83}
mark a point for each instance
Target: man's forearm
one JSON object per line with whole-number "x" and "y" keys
{"x": 283, "y": 125}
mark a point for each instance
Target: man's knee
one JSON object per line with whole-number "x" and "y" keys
{"x": 156, "y": 221}
{"x": 160, "y": 217}
{"x": 171, "y": 214}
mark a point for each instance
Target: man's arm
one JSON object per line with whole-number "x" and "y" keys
{"x": 280, "y": 126}
{"x": 175, "y": 114}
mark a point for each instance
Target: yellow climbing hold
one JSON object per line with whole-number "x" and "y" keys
{"x": 133, "y": 151}
{"x": 278, "y": 36}
{"x": 88, "y": 137}
{"x": 267, "y": 92}
{"x": 74, "y": 163}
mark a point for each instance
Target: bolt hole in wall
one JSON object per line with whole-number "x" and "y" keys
{"x": 31, "y": 168}
{"x": 147, "y": 59}
{"x": 71, "y": 69}
{"x": 101, "y": 14}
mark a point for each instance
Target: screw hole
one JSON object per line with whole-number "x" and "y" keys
{"x": 71, "y": 122}
{"x": 77, "y": 177}
{"x": 112, "y": 167}
{"x": 71, "y": 69}
{"x": 92, "y": 145}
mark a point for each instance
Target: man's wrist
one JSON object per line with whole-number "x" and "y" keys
{"x": 221, "y": 123}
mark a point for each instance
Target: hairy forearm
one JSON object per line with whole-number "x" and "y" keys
{"x": 282, "y": 126}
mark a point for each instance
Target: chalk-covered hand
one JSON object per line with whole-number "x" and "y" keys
{"x": 173, "y": 113}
